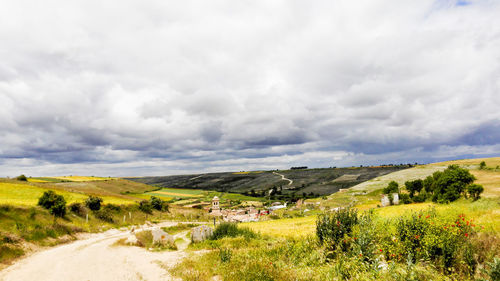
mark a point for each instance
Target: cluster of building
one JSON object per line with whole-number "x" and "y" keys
{"x": 247, "y": 214}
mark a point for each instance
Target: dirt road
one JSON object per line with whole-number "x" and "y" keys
{"x": 94, "y": 258}
{"x": 284, "y": 178}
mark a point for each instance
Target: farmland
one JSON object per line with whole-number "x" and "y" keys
{"x": 311, "y": 181}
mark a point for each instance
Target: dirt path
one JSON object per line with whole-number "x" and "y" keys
{"x": 95, "y": 258}
{"x": 283, "y": 178}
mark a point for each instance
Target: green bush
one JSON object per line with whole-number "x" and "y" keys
{"x": 145, "y": 207}
{"x": 493, "y": 269}
{"x": 332, "y": 227}
{"x": 78, "y": 209}
{"x": 405, "y": 198}
{"x": 392, "y": 187}
{"x": 475, "y": 191}
{"x": 93, "y": 203}
{"x": 451, "y": 183}
{"x": 104, "y": 215}
{"x": 225, "y": 254}
{"x": 22, "y": 178}
{"x": 227, "y": 229}
{"x": 158, "y": 204}
{"x": 54, "y": 203}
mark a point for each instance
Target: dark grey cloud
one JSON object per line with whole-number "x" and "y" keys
{"x": 157, "y": 87}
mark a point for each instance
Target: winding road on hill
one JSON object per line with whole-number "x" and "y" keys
{"x": 283, "y": 178}
{"x": 96, "y": 258}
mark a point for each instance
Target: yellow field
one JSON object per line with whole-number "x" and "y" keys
{"x": 37, "y": 180}
{"x": 177, "y": 194}
{"x": 490, "y": 162}
{"x": 82, "y": 178}
{"x": 25, "y": 194}
{"x": 296, "y": 227}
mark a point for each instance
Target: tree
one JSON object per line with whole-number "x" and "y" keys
{"x": 93, "y": 203}
{"x": 482, "y": 165}
{"x": 54, "y": 203}
{"x": 158, "y": 204}
{"x": 428, "y": 184}
{"x": 474, "y": 191}
{"x": 22, "y": 178}
{"x": 451, "y": 183}
{"x": 414, "y": 186}
{"x": 145, "y": 207}
{"x": 392, "y": 187}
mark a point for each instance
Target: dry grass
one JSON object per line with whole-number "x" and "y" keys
{"x": 82, "y": 178}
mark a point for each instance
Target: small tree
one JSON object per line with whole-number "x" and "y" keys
{"x": 482, "y": 165}
{"x": 414, "y": 186}
{"x": 392, "y": 187}
{"x": 145, "y": 207}
{"x": 54, "y": 203}
{"x": 158, "y": 204}
{"x": 22, "y": 178}
{"x": 93, "y": 203}
{"x": 474, "y": 191}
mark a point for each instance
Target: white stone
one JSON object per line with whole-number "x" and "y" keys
{"x": 201, "y": 233}
{"x": 161, "y": 237}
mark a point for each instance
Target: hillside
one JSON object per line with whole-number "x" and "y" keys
{"x": 318, "y": 181}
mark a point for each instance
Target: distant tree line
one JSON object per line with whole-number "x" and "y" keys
{"x": 299, "y": 168}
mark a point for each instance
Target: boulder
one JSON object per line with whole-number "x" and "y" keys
{"x": 201, "y": 233}
{"x": 161, "y": 237}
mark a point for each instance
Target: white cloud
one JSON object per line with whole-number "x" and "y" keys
{"x": 217, "y": 84}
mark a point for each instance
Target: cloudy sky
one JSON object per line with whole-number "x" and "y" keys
{"x": 143, "y": 87}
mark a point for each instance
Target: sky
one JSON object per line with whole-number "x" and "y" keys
{"x": 135, "y": 88}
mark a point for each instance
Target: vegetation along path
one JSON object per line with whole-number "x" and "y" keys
{"x": 96, "y": 258}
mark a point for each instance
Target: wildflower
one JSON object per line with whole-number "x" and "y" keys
{"x": 360, "y": 255}
{"x": 466, "y": 235}
{"x": 380, "y": 250}
{"x": 428, "y": 216}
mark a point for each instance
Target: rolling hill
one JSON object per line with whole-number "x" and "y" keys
{"x": 323, "y": 181}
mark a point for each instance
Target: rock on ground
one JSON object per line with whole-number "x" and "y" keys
{"x": 201, "y": 233}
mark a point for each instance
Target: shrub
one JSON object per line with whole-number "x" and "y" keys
{"x": 475, "y": 190}
{"x": 54, "y": 203}
{"x": 414, "y": 186}
{"x": 158, "y": 204}
{"x": 392, "y": 187}
{"x": 482, "y": 165}
{"x": 405, "y": 198}
{"x": 78, "y": 209}
{"x": 364, "y": 237}
{"x": 145, "y": 207}
{"x": 22, "y": 178}
{"x": 227, "y": 229}
{"x": 225, "y": 254}
{"x": 332, "y": 227}
{"x": 493, "y": 269}
{"x": 93, "y": 203}
{"x": 104, "y": 215}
